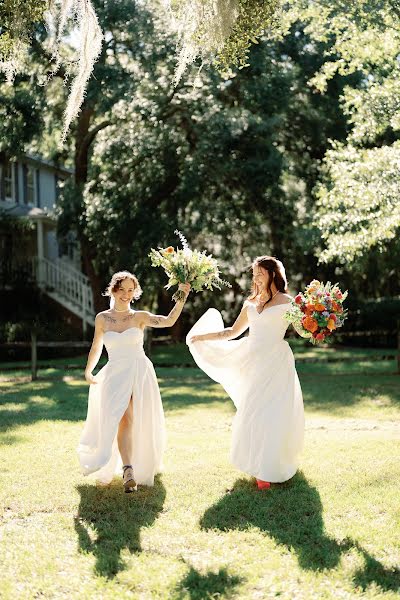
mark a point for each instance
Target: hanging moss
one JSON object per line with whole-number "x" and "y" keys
{"x": 17, "y": 19}
{"x": 220, "y": 31}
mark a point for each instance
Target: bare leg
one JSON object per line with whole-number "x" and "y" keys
{"x": 125, "y": 442}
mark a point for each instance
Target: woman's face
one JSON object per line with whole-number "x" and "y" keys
{"x": 125, "y": 291}
{"x": 260, "y": 277}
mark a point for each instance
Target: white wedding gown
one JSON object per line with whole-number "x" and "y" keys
{"x": 128, "y": 373}
{"x": 258, "y": 373}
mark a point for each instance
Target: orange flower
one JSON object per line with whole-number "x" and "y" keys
{"x": 309, "y": 309}
{"x": 310, "y": 324}
{"x": 337, "y": 307}
{"x": 331, "y": 325}
{"x": 320, "y": 307}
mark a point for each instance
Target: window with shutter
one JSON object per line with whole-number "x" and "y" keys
{"x": 30, "y": 188}
{"x": 8, "y": 181}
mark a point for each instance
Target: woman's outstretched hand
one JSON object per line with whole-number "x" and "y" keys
{"x": 90, "y": 378}
{"x": 185, "y": 287}
{"x": 196, "y": 338}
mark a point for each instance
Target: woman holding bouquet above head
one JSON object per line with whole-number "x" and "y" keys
{"x": 125, "y": 418}
{"x": 258, "y": 372}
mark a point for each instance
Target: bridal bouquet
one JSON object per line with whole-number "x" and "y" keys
{"x": 318, "y": 311}
{"x": 186, "y": 265}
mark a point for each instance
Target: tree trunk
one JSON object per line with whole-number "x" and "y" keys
{"x": 81, "y": 161}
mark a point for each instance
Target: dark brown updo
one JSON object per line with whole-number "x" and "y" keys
{"x": 116, "y": 281}
{"x": 276, "y": 272}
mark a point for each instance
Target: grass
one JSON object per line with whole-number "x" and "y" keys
{"x": 204, "y": 531}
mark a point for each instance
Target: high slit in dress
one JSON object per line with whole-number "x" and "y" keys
{"x": 129, "y": 373}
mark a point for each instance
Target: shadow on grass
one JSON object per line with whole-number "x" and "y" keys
{"x": 25, "y": 403}
{"x": 334, "y": 392}
{"x": 291, "y": 513}
{"x": 109, "y": 521}
{"x": 211, "y": 585}
{"x": 28, "y": 403}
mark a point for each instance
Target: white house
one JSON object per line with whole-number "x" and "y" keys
{"x": 29, "y": 189}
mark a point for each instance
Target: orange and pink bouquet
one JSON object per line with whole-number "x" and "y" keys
{"x": 318, "y": 311}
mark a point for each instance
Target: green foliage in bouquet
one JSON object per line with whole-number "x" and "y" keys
{"x": 187, "y": 266}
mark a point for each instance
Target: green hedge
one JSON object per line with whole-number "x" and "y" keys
{"x": 373, "y": 315}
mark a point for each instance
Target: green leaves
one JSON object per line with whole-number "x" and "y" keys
{"x": 358, "y": 205}
{"x": 220, "y": 32}
{"x": 357, "y": 202}
{"x": 17, "y": 18}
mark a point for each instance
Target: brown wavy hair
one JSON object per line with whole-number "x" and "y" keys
{"x": 116, "y": 281}
{"x": 276, "y": 272}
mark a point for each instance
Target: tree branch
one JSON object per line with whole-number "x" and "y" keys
{"x": 89, "y": 137}
{"x": 41, "y": 52}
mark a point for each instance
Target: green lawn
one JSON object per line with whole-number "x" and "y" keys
{"x": 204, "y": 531}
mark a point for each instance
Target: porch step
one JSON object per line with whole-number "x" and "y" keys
{"x": 67, "y": 286}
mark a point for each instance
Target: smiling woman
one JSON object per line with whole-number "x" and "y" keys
{"x": 259, "y": 374}
{"x": 125, "y": 418}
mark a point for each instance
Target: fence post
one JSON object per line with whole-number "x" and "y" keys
{"x": 34, "y": 355}
{"x": 84, "y": 303}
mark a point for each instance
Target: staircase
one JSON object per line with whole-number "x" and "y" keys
{"x": 67, "y": 286}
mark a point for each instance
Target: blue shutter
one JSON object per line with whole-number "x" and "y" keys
{"x": 25, "y": 180}
{"x": 16, "y": 183}
{"x": 38, "y": 199}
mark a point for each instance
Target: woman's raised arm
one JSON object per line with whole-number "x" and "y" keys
{"x": 149, "y": 320}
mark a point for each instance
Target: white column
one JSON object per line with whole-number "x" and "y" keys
{"x": 40, "y": 253}
{"x": 84, "y": 306}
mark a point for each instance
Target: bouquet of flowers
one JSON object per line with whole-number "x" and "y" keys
{"x": 318, "y": 311}
{"x": 186, "y": 265}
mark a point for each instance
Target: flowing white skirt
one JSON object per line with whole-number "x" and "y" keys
{"x": 268, "y": 427}
{"x": 118, "y": 381}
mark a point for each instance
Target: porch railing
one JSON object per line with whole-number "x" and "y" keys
{"x": 63, "y": 281}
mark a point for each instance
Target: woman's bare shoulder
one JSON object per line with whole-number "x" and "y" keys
{"x": 247, "y": 303}
{"x": 284, "y": 298}
{"x": 103, "y": 314}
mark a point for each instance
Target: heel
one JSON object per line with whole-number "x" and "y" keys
{"x": 263, "y": 485}
{"x": 129, "y": 482}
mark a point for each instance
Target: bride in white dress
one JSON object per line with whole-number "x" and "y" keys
{"x": 258, "y": 372}
{"x": 125, "y": 418}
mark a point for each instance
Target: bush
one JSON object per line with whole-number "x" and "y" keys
{"x": 374, "y": 315}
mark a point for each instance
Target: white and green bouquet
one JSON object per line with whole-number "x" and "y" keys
{"x": 187, "y": 266}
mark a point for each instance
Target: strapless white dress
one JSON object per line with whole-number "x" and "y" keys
{"x": 128, "y": 373}
{"x": 258, "y": 372}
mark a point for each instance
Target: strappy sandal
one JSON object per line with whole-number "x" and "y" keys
{"x": 128, "y": 479}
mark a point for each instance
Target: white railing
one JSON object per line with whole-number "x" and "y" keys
{"x": 67, "y": 283}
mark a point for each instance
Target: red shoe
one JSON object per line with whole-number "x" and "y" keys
{"x": 263, "y": 485}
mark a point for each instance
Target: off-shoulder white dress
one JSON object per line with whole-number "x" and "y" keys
{"x": 258, "y": 372}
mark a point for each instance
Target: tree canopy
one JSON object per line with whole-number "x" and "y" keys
{"x": 297, "y": 153}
